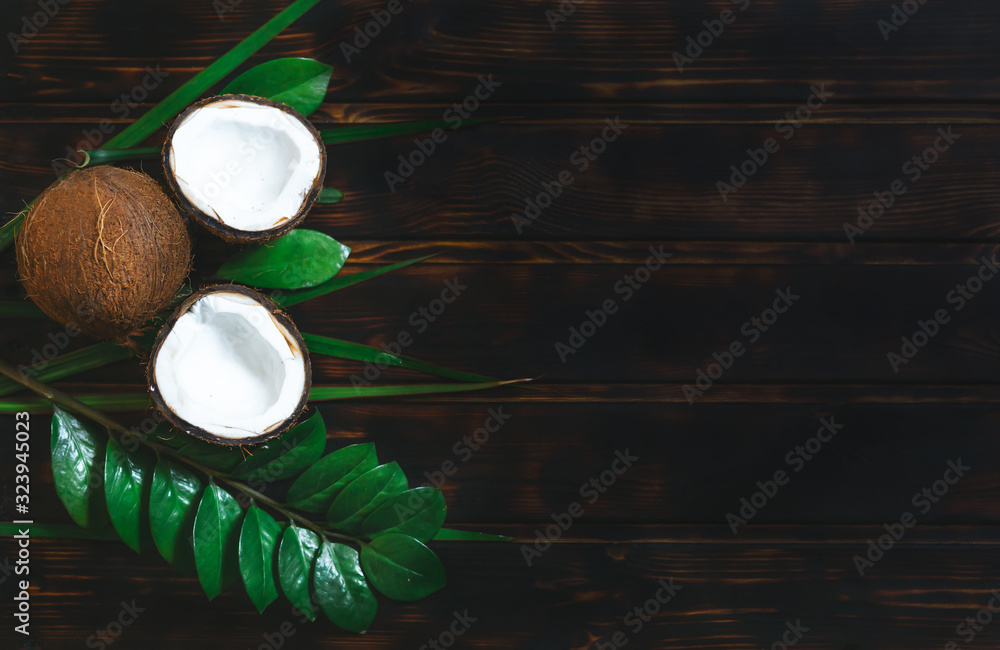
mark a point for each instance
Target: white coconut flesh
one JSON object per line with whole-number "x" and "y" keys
{"x": 228, "y": 367}
{"x": 250, "y": 166}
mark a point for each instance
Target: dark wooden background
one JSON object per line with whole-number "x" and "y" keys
{"x": 665, "y": 517}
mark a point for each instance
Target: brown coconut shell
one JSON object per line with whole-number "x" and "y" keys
{"x": 210, "y": 222}
{"x": 291, "y": 334}
{"x": 103, "y": 250}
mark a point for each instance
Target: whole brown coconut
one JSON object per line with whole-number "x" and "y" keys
{"x": 103, "y": 251}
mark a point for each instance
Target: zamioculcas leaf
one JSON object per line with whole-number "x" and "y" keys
{"x": 402, "y": 568}
{"x": 296, "y": 556}
{"x": 300, "y": 83}
{"x": 216, "y": 540}
{"x": 258, "y": 552}
{"x": 342, "y": 590}
{"x": 418, "y": 513}
{"x": 173, "y": 503}
{"x": 287, "y": 455}
{"x": 296, "y": 260}
{"x": 78, "y": 469}
{"x": 335, "y": 284}
{"x": 128, "y": 475}
{"x": 365, "y": 493}
{"x": 319, "y": 485}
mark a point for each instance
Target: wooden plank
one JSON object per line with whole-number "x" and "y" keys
{"x": 575, "y": 595}
{"x": 647, "y": 459}
{"x": 519, "y": 321}
{"x": 93, "y": 50}
{"x": 474, "y": 184}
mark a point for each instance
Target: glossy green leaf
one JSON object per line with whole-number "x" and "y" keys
{"x": 288, "y": 454}
{"x": 217, "y": 457}
{"x": 78, "y": 469}
{"x": 342, "y": 590}
{"x": 216, "y": 540}
{"x": 173, "y": 503}
{"x": 299, "y": 83}
{"x": 360, "y": 132}
{"x": 329, "y": 196}
{"x": 258, "y": 555}
{"x": 337, "y": 283}
{"x": 360, "y": 352}
{"x": 418, "y": 513}
{"x": 402, "y": 568}
{"x": 128, "y": 476}
{"x": 296, "y": 260}
{"x": 296, "y": 557}
{"x": 319, "y": 485}
{"x": 365, "y": 493}
{"x": 450, "y": 535}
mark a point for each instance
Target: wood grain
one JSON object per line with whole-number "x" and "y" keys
{"x": 656, "y": 185}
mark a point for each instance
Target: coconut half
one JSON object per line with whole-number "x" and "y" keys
{"x": 230, "y": 368}
{"x": 247, "y": 168}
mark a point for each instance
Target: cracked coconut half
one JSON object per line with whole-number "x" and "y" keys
{"x": 230, "y": 368}
{"x": 249, "y": 169}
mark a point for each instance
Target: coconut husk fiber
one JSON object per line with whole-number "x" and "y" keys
{"x": 103, "y": 250}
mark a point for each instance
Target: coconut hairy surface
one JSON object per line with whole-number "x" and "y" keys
{"x": 229, "y": 367}
{"x": 248, "y": 169}
{"x": 103, "y": 250}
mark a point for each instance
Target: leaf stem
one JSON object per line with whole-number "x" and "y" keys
{"x": 76, "y": 406}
